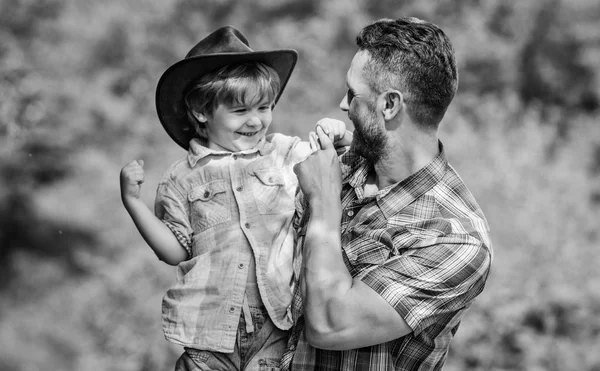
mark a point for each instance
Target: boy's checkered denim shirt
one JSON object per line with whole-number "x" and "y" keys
{"x": 225, "y": 209}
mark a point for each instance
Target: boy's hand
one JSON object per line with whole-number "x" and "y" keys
{"x": 132, "y": 177}
{"x": 336, "y": 131}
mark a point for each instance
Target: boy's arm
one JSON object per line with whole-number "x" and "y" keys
{"x": 156, "y": 234}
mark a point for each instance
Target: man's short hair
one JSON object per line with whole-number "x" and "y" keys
{"x": 414, "y": 57}
{"x": 247, "y": 83}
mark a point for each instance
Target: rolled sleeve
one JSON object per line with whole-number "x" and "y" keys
{"x": 171, "y": 209}
{"x": 431, "y": 285}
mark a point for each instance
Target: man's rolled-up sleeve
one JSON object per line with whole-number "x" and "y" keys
{"x": 433, "y": 283}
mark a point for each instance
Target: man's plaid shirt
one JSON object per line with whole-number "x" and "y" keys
{"x": 423, "y": 245}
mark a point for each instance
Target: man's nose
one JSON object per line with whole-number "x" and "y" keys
{"x": 344, "y": 104}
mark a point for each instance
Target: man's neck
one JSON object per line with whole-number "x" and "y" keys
{"x": 411, "y": 151}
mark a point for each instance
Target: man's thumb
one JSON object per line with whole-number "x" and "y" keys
{"x": 141, "y": 162}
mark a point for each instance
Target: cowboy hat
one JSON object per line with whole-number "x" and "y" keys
{"x": 226, "y": 45}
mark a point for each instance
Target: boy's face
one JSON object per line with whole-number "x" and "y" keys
{"x": 238, "y": 127}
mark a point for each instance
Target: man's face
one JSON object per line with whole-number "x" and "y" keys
{"x": 370, "y": 140}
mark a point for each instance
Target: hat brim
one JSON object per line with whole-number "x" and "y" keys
{"x": 170, "y": 104}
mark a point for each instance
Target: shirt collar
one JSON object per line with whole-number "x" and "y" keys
{"x": 399, "y": 195}
{"x": 198, "y": 150}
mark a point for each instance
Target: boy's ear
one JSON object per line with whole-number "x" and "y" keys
{"x": 201, "y": 117}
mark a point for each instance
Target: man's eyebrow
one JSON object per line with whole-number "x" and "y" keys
{"x": 350, "y": 87}
{"x": 348, "y": 82}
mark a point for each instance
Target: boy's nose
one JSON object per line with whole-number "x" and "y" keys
{"x": 253, "y": 121}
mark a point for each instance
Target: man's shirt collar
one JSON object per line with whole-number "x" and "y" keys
{"x": 399, "y": 195}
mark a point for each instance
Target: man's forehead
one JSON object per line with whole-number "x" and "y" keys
{"x": 355, "y": 74}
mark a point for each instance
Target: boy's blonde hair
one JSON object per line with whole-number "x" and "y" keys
{"x": 245, "y": 84}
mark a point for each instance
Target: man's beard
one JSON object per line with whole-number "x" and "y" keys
{"x": 369, "y": 139}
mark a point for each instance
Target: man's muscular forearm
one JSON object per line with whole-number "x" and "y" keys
{"x": 340, "y": 312}
{"x": 325, "y": 277}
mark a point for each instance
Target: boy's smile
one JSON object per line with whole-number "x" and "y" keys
{"x": 248, "y": 134}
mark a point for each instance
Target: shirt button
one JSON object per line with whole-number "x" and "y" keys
{"x": 239, "y": 188}
{"x": 235, "y": 157}
{"x": 292, "y": 347}
{"x": 241, "y": 266}
{"x": 350, "y": 212}
{"x": 231, "y": 309}
{"x": 247, "y": 225}
{"x": 206, "y": 194}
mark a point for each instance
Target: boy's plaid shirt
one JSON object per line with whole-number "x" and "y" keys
{"x": 423, "y": 245}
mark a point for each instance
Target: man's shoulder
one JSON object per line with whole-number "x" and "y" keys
{"x": 452, "y": 189}
{"x": 460, "y": 206}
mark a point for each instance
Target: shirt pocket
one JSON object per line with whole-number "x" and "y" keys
{"x": 210, "y": 205}
{"x": 363, "y": 250}
{"x": 270, "y": 191}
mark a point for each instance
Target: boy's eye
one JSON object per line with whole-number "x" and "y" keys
{"x": 265, "y": 108}
{"x": 239, "y": 110}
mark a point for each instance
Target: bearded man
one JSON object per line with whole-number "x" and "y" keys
{"x": 394, "y": 246}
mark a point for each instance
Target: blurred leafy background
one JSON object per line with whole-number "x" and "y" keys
{"x": 79, "y": 289}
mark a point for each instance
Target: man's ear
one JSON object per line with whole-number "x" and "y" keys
{"x": 393, "y": 103}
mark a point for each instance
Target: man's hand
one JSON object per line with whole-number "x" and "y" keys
{"x": 132, "y": 177}
{"x": 336, "y": 131}
{"x": 319, "y": 176}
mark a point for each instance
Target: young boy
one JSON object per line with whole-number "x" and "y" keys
{"x": 223, "y": 214}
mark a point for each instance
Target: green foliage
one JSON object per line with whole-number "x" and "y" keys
{"x": 22, "y": 18}
{"x": 80, "y": 290}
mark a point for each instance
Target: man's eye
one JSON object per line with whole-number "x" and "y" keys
{"x": 350, "y": 96}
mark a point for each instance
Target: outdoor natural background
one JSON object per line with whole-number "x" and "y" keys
{"x": 80, "y": 290}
